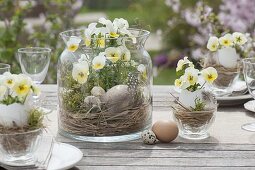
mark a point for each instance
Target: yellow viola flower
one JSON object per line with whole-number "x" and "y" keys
{"x": 114, "y": 34}
{"x": 22, "y": 88}
{"x": 87, "y": 42}
{"x": 9, "y": 79}
{"x": 89, "y": 32}
{"x": 113, "y": 54}
{"x": 226, "y": 40}
{"x": 209, "y": 74}
{"x": 98, "y": 62}
{"x": 213, "y": 43}
{"x": 73, "y": 43}
{"x": 80, "y": 72}
{"x": 239, "y": 38}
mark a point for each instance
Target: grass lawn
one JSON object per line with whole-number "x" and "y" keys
{"x": 165, "y": 77}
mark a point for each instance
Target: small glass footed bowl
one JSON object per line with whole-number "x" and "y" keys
{"x": 194, "y": 124}
{"x": 19, "y": 147}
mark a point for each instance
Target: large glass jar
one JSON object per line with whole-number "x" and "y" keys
{"x": 104, "y": 88}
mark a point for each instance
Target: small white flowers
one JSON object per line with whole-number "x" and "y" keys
{"x": 213, "y": 43}
{"x": 184, "y": 62}
{"x": 73, "y": 43}
{"x": 189, "y": 79}
{"x": 99, "y": 62}
{"x": 125, "y": 53}
{"x": 225, "y": 41}
{"x": 239, "y": 38}
{"x": 16, "y": 88}
{"x": 80, "y": 72}
{"x": 113, "y": 54}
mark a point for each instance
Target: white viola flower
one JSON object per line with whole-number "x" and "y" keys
{"x": 209, "y": 74}
{"x": 184, "y": 82}
{"x": 80, "y": 72}
{"x": 142, "y": 69}
{"x": 89, "y": 32}
{"x": 113, "y": 54}
{"x": 125, "y": 53}
{"x": 191, "y": 75}
{"x": 111, "y": 28}
{"x": 3, "y": 90}
{"x": 213, "y": 43}
{"x": 182, "y": 62}
{"x": 122, "y": 25}
{"x": 239, "y": 38}
{"x": 227, "y": 40}
{"x": 98, "y": 62}
{"x": 73, "y": 43}
{"x": 9, "y": 79}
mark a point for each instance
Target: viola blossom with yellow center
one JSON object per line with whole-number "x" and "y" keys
{"x": 111, "y": 28}
{"x": 239, "y": 38}
{"x": 99, "y": 62}
{"x": 80, "y": 72}
{"x": 213, "y": 43}
{"x": 89, "y": 32}
{"x": 73, "y": 43}
{"x": 226, "y": 40}
{"x": 113, "y": 54}
{"x": 209, "y": 74}
{"x": 142, "y": 69}
{"x": 125, "y": 53}
{"x": 22, "y": 88}
{"x": 9, "y": 79}
{"x": 191, "y": 75}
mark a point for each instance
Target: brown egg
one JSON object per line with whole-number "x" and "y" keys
{"x": 165, "y": 131}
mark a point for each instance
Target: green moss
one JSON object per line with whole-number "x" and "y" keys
{"x": 35, "y": 119}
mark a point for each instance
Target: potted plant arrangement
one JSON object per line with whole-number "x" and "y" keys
{"x": 226, "y": 60}
{"x": 20, "y": 123}
{"x": 195, "y": 108}
{"x": 104, "y": 82}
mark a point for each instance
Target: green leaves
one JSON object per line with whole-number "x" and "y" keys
{"x": 10, "y": 100}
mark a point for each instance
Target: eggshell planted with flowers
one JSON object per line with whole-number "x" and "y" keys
{"x": 165, "y": 131}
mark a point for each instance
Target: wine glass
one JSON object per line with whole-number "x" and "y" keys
{"x": 4, "y": 68}
{"x": 249, "y": 76}
{"x": 34, "y": 62}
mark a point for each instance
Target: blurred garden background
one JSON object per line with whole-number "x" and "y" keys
{"x": 178, "y": 27}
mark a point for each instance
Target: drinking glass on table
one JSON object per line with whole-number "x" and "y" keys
{"x": 34, "y": 62}
{"x": 249, "y": 76}
{"x": 4, "y": 68}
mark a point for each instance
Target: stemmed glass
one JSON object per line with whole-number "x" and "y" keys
{"x": 34, "y": 62}
{"x": 4, "y": 68}
{"x": 249, "y": 76}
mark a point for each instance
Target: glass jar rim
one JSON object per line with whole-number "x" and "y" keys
{"x": 249, "y": 60}
{"x": 4, "y": 66}
{"x": 22, "y": 133}
{"x": 145, "y": 33}
{"x": 34, "y": 50}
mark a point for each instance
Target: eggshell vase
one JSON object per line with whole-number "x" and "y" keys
{"x": 188, "y": 98}
{"x": 15, "y": 112}
{"x": 228, "y": 57}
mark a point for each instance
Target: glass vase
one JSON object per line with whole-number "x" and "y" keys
{"x": 114, "y": 103}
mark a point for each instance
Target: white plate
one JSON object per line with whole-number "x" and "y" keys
{"x": 64, "y": 156}
{"x": 233, "y": 100}
{"x": 250, "y": 105}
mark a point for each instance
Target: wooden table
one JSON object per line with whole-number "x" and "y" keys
{"x": 229, "y": 147}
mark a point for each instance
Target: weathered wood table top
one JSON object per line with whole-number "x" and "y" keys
{"x": 229, "y": 147}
